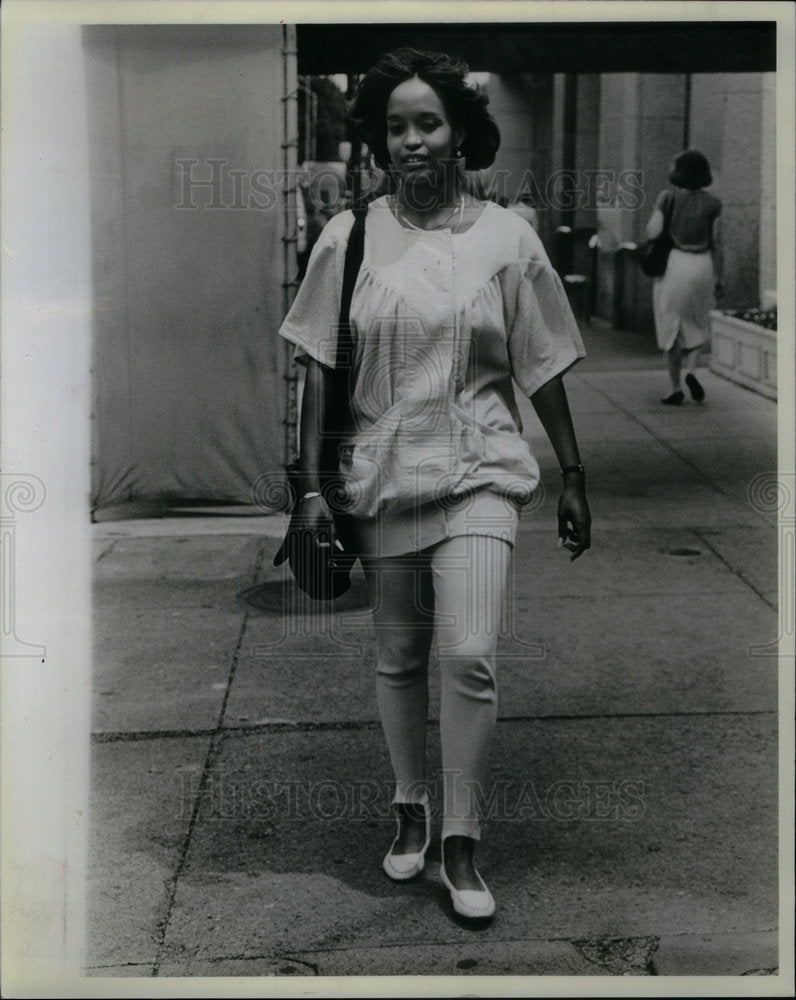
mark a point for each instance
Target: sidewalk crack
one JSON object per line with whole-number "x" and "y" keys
{"x": 107, "y": 551}
{"x": 733, "y": 570}
{"x": 333, "y": 726}
{"x": 287, "y": 956}
{"x": 213, "y": 751}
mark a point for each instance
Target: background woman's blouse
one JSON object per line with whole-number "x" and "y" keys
{"x": 693, "y": 214}
{"x": 443, "y": 323}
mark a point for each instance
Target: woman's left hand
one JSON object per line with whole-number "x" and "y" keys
{"x": 574, "y": 520}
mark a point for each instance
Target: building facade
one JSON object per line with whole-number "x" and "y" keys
{"x": 593, "y": 151}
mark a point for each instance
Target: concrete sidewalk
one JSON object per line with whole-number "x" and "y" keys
{"x": 240, "y": 782}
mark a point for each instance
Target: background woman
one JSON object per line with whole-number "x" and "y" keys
{"x": 683, "y": 297}
{"x": 455, "y": 298}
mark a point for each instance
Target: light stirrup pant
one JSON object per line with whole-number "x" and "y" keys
{"x": 453, "y": 591}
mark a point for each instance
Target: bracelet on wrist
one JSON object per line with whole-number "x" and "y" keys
{"x": 572, "y": 468}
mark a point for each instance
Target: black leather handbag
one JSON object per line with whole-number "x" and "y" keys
{"x": 322, "y": 570}
{"x": 654, "y": 254}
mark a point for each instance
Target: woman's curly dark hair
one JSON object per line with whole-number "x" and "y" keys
{"x": 691, "y": 171}
{"x": 465, "y": 106}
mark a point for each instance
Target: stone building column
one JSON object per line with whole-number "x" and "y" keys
{"x": 641, "y": 130}
{"x": 728, "y": 126}
{"x": 522, "y": 104}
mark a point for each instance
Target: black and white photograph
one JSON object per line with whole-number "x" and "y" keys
{"x": 398, "y": 501}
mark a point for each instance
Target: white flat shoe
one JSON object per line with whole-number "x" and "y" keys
{"x": 476, "y": 904}
{"x": 402, "y": 867}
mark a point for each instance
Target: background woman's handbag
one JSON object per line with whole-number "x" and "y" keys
{"x": 322, "y": 570}
{"x": 654, "y": 254}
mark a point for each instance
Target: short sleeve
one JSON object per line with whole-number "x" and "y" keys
{"x": 542, "y": 334}
{"x": 311, "y": 322}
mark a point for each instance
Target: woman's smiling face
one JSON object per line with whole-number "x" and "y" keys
{"x": 420, "y": 138}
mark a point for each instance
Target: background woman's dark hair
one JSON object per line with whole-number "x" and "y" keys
{"x": 691, "y": 171}
{"x": 465, "y": 106}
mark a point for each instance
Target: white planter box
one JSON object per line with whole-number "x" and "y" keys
{"x": 744, "y": 352}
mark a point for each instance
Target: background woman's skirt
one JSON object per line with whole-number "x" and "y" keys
{"x": 682, "y": 300}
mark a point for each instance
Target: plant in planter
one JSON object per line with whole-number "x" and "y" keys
{"x": 744, "y": 347}
{"x": 766, "y": 318}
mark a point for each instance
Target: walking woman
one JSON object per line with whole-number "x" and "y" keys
{"x": 455, "y": 300}
{"x": 683, "y": 297}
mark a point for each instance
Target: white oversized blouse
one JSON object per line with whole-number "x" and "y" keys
{"x": 443, "y": 323}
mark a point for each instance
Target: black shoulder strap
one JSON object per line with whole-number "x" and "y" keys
{"x": 668, "y": 210}
{"x": 353, "y": 261}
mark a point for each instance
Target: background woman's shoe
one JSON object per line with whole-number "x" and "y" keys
{"x": 696, "y": 390}
{"x": 675, "y": 399}
{"x": 402, "y": 867}
{"x": 476, "y": 904}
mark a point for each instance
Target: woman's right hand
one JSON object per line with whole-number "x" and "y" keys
{"x": 311, "y": 523}
{"x": 312, "y": 514}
